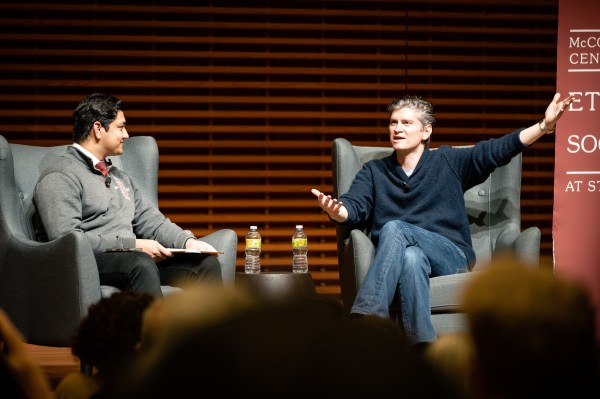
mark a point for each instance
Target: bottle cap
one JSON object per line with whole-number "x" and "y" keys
{"x": 253, "y": 228}
{"x": 299, "y": 226}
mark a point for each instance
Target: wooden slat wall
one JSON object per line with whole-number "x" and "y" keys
{"x": 244, "y": 97}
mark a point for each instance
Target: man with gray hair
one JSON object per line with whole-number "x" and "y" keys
{"x": 414, "y": 203}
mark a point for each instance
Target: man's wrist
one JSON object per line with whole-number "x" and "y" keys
{"x": 186, "y": 241}
{"x": 544, "y": 128}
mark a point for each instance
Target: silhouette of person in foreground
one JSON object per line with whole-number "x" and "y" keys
{"x": 533, "y": 334}
{"x": 20, "y": 376}
{"x": 107, "y": 340}
{"x": 295, "y": 349}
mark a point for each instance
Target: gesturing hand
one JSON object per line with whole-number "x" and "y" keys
{"x": 556, "y": 109}
{"x": 334, "y": 208}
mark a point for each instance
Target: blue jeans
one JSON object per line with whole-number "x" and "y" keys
{"x": 406, "y": 257}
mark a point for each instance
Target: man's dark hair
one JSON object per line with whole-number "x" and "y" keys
{"x": 95, "y": 107}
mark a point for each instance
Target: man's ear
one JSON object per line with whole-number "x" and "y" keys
{"x": 427, "y": 132}
{"x": 96, "y": 130}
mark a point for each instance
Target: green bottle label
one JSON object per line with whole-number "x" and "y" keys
{"x": 252, "y": 242}
{"x": 299, "y": 242}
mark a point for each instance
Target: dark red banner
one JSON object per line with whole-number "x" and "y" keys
{"x": 576, "y": 221}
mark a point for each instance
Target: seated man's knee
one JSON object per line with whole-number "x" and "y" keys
{"x": 415, "y": 254}
{"x": 211, "y": 269}
{"x": 415, "y": 259}
{"x": 391, "y": 229}
{"x": 397, "y": 229}
{"x": 141, "y": 259}
{"x": 143, "y": 273}
{"x": 391, "y": 226}
{"x": 142, "y": 263}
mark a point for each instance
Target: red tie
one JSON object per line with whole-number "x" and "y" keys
{"x": 101, "y": 166}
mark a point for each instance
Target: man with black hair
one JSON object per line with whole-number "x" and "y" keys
{"x": 82, "y": 191}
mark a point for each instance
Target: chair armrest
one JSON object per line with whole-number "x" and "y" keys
{"x": 46, "y": 288}
{"x": 524, "y": 245}
{"x": 225, "y": 240}
{"x": 355, "y": 259}
{"x": 527, "y": 246}
{"x": 363, "y": 253}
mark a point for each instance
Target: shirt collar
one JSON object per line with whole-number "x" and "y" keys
{"x": 86, "y": 153}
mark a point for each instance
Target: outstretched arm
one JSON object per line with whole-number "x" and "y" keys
{"x": 553, "y": 113}
{"x": 335, "y": 209}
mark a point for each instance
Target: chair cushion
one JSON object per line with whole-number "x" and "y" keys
{"x": 108, "y": 290}
{"x": 449, "y": 323}
{"x": 446, "y": 291}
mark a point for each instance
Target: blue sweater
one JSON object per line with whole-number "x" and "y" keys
{"x": 435, "y": 197}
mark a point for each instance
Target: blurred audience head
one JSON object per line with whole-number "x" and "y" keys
{"x": 225, "y": 343}
{"x": 533, "y": 333}
{"x": 194, "y": 307}
{"x": 109, "y": 334}
{"x": 452, "y": 356}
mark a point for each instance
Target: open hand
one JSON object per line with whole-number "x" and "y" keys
{"x": 556, "y": 109}
{"x": 334, "y": 208}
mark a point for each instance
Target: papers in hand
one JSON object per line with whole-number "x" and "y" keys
{"x": 192, "y": 251}
{"x": 173, "y": 250}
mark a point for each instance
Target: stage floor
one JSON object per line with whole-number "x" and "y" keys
{"x": 56, "y": 362}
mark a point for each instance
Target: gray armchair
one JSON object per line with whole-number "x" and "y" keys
{"x": 494, "y": 213}
{"x": 46, "y": 288}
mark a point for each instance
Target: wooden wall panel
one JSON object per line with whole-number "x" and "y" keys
{"x": 244, "y": 98}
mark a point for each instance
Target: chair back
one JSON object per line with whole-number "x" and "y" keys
{"x": 140, "y": 160}
{"x": 493, "y": 207}
{"x": 21, "y": 166}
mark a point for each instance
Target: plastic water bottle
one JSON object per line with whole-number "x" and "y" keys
{"x": 253, "y": 247}
{"x": 300, "y": 250}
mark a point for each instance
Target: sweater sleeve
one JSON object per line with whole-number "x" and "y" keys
{"x": 58, "y": 205}
{"x": 359, "y": 198}
{"x": 150, "y": 223}
{"x": 474, "y": 164}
